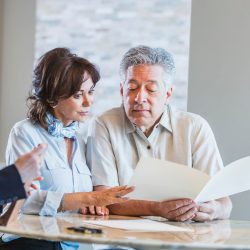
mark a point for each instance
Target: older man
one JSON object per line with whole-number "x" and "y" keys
{"x": 146, "y": 125}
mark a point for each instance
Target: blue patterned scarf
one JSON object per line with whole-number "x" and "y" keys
{"x": 56, "y": 128}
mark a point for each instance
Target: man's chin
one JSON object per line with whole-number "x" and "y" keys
{"x": 140, "y": 122}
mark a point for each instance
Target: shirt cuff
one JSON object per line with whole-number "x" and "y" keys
{"x": 52, "y": 203}
{"x": 43, "y": 203}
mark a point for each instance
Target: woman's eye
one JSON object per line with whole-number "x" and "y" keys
{"x": 91, "y": 92}
{"x": 77, "y": 96}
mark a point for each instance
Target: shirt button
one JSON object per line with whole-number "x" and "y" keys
{"x": 148, "y": 147}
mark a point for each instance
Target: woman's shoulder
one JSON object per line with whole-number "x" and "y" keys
{"x": 25, "y": 126}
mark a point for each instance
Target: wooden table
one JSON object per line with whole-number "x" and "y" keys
{"x": 222, "y": 234}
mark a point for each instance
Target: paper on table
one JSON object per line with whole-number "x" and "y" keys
{"x": 163, "y": 180}
{"x": 138, "y": 225}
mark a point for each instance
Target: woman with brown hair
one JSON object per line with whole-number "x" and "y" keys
{"x": 62, "y": 95}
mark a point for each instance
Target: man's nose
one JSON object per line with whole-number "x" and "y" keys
{"x": 141, "y": 96}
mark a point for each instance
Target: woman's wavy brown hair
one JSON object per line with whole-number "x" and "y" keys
{"x": 58, "y": 75}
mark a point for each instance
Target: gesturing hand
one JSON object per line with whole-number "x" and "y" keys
{"x": 28, "y": 165}
{"x": 110, "y": 196}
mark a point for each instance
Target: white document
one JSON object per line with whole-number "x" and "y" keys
{"x": 159, "y": 180}
{"x": 142, "y": 225}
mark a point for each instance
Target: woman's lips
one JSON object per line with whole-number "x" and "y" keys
{"x": 83, "y": 113}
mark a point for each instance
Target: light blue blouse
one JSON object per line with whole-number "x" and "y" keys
{"x": 59, "y": 176}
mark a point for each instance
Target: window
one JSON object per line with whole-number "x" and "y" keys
{"x": 103, "y": 30}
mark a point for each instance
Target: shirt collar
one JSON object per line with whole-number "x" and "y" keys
{"x": 165, "y": 121}
{"x": 128, "y": 125}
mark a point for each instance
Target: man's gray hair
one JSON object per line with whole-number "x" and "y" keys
{"x": 147, "y": 55}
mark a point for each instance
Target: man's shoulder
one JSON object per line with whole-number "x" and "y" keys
{"x": 117, "y": 111}
{"x": 187, "y": 118}
{"x": 112, "y": 116}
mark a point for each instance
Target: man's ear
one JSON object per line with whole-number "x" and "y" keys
{"x": 121, "y": 88}
{"x": 169, "y": 93}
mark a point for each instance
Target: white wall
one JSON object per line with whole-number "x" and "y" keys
{"x": 17, "y": 27}
{"x": 219, "y": 78}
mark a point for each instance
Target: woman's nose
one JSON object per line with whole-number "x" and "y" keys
{"x": 87, "y": 100}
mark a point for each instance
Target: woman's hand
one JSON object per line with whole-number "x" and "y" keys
{"x": 75, "y": 201}
{"x": 110, "y": 196}
{"x": 102, "y": 211}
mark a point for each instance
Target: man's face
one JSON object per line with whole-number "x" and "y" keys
{"x": 144, "y": 94}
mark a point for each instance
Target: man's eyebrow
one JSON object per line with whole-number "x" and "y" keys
{"x": 152, "y": 81}
{"x": 133, "y": 80}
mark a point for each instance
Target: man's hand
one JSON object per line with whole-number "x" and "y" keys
{"x": 28, "y": 165}
{"x": 216, "y": 209}
{"x": 206, "y": 211}
{"x": 176, "y": 210}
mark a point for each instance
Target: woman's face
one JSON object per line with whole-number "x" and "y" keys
{"x": 76, "y": 107}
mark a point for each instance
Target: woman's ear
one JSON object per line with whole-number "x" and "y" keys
{"x": 52, "y": 104}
